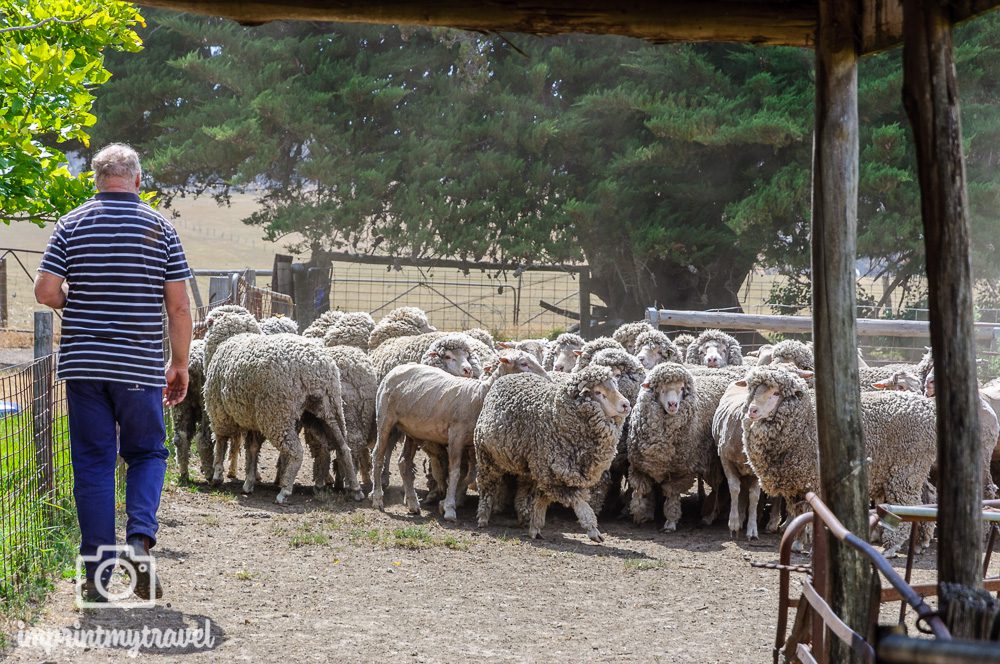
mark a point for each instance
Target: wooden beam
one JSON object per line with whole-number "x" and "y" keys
{"x": 843, "y": 477}
{"x": 778, "y": 22}
{"x": 930, "y": 95}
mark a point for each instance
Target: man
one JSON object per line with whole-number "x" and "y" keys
{"x": 113, "y": 264}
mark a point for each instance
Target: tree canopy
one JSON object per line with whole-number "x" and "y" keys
{"x": 672, "y": 170}
{"x": 52, "y": 58}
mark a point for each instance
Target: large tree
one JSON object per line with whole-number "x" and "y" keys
{"x": 51, "y": 58}
{"x": 672, "y": 170}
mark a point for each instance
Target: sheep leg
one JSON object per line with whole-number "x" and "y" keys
{"x": 182, "y": 443}
{"x": 206, "y": 450}
{"x": 585, "y": 514}
{"x": 536, "y": 517}
{"x": 468, "y": 478}
{"x": 523, "y": 500}
{"x": 408, "y": 471}
{"x": 774, "y": 521}
{"x": 219, "y": 469}
{"x": 456, "y": 450}
{"x": 345, "y": 463}
{"x": 490, "y": 483}
{"x": 735, "y": 483}
{"x": 253, "y": 443}
{"x": 234, "y": 457}
{"x": 386, "y": 471}
{"x": 320, "y": 454}
{"x": 291, "y": 446}
{"x": 641, "y": 505}
{"x": 672, "y": 504}
{"x": 363, "y": 462}
{"x": 754, "y": 493}
{"x": 385, "y": 433}
{"x": 437, "y": 477}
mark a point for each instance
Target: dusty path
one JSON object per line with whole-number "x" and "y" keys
{"x": 327, "y": 580}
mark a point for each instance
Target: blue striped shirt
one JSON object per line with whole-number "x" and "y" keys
{"x": 116, "y": 253}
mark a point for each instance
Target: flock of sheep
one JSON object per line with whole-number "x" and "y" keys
{"x": 615, "y": 425}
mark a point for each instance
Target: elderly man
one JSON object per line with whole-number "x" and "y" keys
{"x": 111, "y": 265}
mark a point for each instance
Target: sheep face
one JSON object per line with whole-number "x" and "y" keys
{"x": 650, "y": 355}
{"x": 611, "y": 401}
{"x": 902, "y": 381}
{"x": 565, "y": 359}
{"x": 518, "y": 361}
{"x": 929, "y": 384}
{"x": 453, "y": 360}
{"x": 670, "y": 396}
{"x": 715, "y": 354}
{"x": 763, "y": 402}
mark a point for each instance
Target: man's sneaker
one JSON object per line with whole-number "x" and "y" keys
{"x": 137, "y": 557}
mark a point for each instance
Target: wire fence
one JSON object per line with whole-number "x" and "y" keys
{"x": 36, "y": 478}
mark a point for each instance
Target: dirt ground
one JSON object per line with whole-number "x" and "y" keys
{"x": 325, "y": 579}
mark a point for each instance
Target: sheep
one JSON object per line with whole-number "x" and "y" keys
{"x": 431, "y": 406}
{"x": 763, "y": 354}
{"x": 714, "y": 348}
{"x": 868, "y": 377}
{"x": 793, "y": 353}
{"x": 556, "y": 438}
{"x": 536, "y": 347}
{"x": 586, "y": 354}
{"x": 190, "y": 419}
{"x": 401, "y": 322}
{"x": 262, "y": 386}
{"x": 317, "y": 329}
{"x": 482, "y": 336}
{"x": 682, "y": 341}
{"x": 781, "y": 442}
{"x": 279, "y": 325}
{"x": 669, "y": 443}
{"x": 559, "y": 355}
{"x": 654, "y": 347}
{"x": 630, "y": 376}
{"x": 351, "y": 329}
{"x": 457, "y": 347}
{"x": 991, "y": 392}
{"x": 628, "y": 333}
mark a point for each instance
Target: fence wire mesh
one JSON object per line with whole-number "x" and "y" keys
{"x": 36, "y": 479}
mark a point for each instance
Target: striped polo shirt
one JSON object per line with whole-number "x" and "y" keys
{"x": 115, "y": 252}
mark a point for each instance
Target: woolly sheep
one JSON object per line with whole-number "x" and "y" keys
{"x": 433, "y": 407}
{"x": 628, "y": 333}
{"x": 714, "y": 348}
{"x": 261, "y": 386}
{"x": 401, "y": 322}
{"x": 555, "y": 438}
{"x": 590, "y": 348}
{"x": 317, "y": 329}
{"x": 793, "y": 353}
{"x": 190, "y": 419}
{"x": 279, "y": 325}
{"x": 630, "y": 376}
{"x": 559, "y": 355}
{"x": 403, "y": 350}
{"x": 482, "y": 336}
{"x": 682, "y": 341}
{"x": 352, "y": 329}
{"x": 654, "y": 347}
{"x": 780, "y": 440}
{"x": 536, "y": 347}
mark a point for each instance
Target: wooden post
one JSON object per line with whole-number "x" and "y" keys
{"x": 930, "y": 95}
{"x": 220, "y": 291}
{"x": 3, "y": 292}
{"x": 195, "y": 292}
{"x": 843, "y": 478}
{"x": 41, "y": 401}
{"x": 585, "y": 304}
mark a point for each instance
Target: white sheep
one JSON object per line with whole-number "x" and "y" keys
{"x": 560, "y": 355}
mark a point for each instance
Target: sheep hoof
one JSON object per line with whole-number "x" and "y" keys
{"x": 734, "y": 526}
{"x": 359, "y": 495}
{"x": 535, "y": 534}
{"x": 450, "y": 515}
{"x": 248, "y": 487}
{"x": 482, "y": 523}
{"x": 282, "y": 497}
{"x": 669, "y": 527}
{"x": 796, "y": 547}
{"x": 595, "y": 535}
{"x": 377, "y": 502}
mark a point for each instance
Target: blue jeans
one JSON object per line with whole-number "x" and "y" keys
{"x": 108, "y": 418}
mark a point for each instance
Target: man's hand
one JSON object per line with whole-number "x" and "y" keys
{"x": 177, "y": 386}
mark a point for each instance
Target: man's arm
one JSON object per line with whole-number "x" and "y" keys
{"x": 50, "y": 290}
{"x": 179, "y": 330}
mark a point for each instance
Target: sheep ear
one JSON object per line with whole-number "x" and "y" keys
{"x": 645, "y": 386}
{"x": 504, "y": 344}
{"x": 881, "y": 385}
{"x": 805, "y": 373}
{"x": 741, "y": 383}
{"x": 432, "y": 353}
{"x": 504, "y": 360}
{"x": 578, "y": 353}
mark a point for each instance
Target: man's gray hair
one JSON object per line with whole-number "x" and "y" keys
{"x": 115, "y": 161}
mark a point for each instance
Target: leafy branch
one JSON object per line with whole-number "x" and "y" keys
{"x": 45, "y": 21}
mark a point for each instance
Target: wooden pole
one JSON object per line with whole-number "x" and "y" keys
{"x": 42, "y": 419}
{"x": 843, "y": 478}
{"x": 585, "y": 303}
{"x": 930, "y": 95}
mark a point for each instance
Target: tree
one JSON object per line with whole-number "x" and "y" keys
{"x": 672, "y": 170}
{"x": 52, "y": 56}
